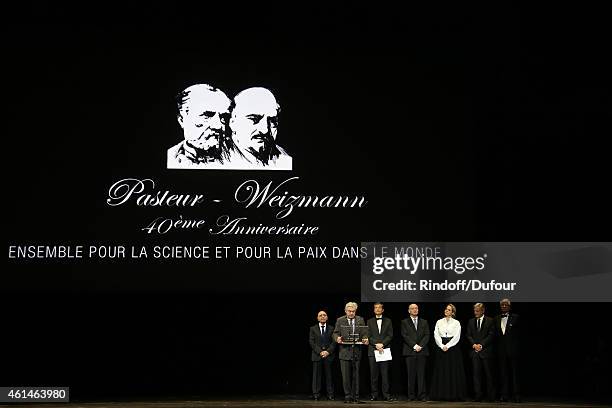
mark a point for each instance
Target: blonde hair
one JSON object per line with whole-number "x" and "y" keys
{"x": 453, "y": 309}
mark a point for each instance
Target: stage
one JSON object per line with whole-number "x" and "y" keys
{"x": 261, "y": 402}
{"x": 189, "y": 187}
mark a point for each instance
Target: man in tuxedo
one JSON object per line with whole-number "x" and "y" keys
{"x": 480, "y": 335}
{"x": 415, "y": 334}
{"x": 507, "y": 328}
{"x": 349, "y": 354}
{"x": 380, "y": 330}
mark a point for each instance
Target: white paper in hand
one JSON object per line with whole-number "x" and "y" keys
{"x": 384, "y": 356}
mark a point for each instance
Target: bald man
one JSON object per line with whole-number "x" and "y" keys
{"x": 203, "y": 114}
{"x": 415, "y": 333}
{"x": 254, "y": 125}
{"x": 322, "y": 356}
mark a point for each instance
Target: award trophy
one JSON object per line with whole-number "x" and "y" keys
{"x": 353, "y": 336}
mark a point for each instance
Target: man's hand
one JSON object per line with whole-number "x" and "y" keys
{"x": 339, "y": 340}
{"x": 478, "y": 347}
{"x": 417, "y": 348}
{"x": 366, "y": 341}
{"x": 379, "y": 346}
{"x": 324, "y": 353}
{"x": 444, "y": 348}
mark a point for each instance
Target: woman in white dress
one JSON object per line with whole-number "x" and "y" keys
{"x": 448, "y": 383}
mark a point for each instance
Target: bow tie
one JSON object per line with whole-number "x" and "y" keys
{"x": 505, "y": 315}
{"x": 379, "y": 318}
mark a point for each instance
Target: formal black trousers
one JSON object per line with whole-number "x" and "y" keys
{"x": 508, "y": 374}
{"x": 482, "y": 367}
{"x": 350, "y": 378}
{"x": 379, "y": 370}
{"x": 415, "y": 367}
{"x": 323, "y": 366}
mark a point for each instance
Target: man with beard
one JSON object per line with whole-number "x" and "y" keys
{"x": 203, "y": 113}
{"x": 254, "y": 125}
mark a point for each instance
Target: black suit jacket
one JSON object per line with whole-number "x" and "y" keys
{"x": 385, "y": 337}
{"x": 508, "y": 343}
{"x": 347, "y": 351}
{"x": 410, "y": 336}
{"x": 315, "y": 341}
{"x": 484, "y": 337}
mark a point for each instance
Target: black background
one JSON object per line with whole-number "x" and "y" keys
{"x": 457, "y": 124}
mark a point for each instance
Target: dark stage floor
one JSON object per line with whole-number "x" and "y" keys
{"x": 298, "y": 403}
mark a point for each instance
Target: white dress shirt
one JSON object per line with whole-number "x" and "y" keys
{"x": 447, "y": 328}
{"x": 504, "y": 322}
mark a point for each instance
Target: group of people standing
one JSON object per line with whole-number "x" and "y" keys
{"x": 488, "y": 339}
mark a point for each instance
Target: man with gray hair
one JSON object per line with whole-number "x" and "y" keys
{"x": 480, "y": 334}
{"x": 203, "y": 114}
{"x": 254, "y": 125}
{"x": 350, "y": 353}
{"x": 507, "y": 327}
